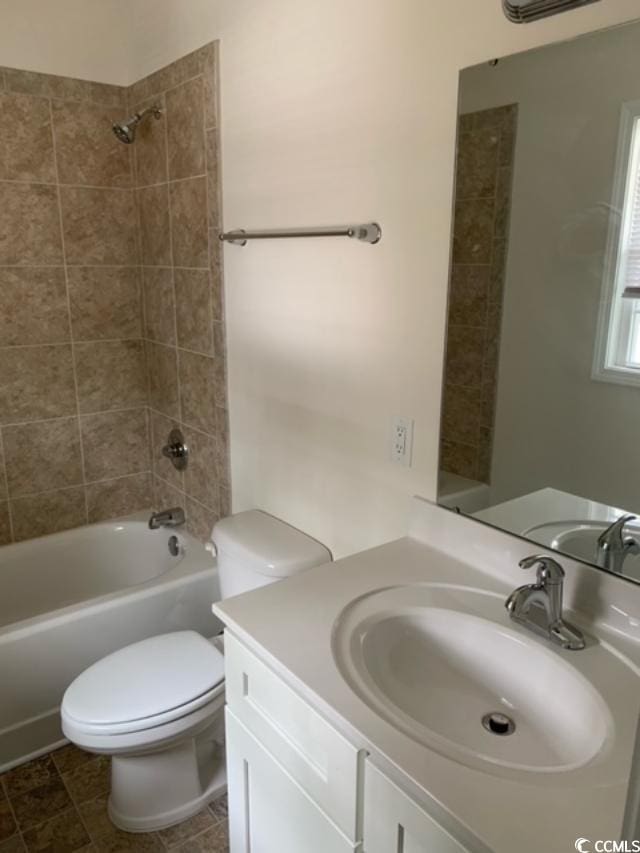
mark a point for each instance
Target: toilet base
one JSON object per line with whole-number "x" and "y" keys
{"x": 159, "y": 789}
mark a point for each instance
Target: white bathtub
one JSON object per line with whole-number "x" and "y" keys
{"x": 68, "y": 599}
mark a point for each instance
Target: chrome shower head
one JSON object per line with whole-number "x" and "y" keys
{"x": 126, "y": 130}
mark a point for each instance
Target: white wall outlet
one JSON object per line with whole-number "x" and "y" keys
{"x": 402, "y": 441}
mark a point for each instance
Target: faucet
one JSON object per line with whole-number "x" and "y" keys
{"x": 538, "y": 606}
{"x": 613, "y": 548}
{"x": 167, "y": 518}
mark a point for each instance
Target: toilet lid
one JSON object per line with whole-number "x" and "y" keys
{"x": 154, "y": 678}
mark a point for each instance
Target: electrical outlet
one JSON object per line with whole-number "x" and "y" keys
{"x": 402, "y": 441}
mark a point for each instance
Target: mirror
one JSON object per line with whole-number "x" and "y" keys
{"x": 540, "y": 431}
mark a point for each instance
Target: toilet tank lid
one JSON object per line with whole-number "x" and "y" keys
{"x": 267, "y": 545}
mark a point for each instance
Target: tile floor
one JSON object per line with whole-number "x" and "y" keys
{"x": 58, "y": 804}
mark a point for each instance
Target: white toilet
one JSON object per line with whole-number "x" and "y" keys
{"x": 156, "y": 707}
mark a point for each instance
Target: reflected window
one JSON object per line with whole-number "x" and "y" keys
{"x": 618, "y": 341}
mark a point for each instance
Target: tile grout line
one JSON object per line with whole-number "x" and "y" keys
{"x": 68, "y": 295}
{"x": 182, "y": 477}
{"x": 74, "y": 486}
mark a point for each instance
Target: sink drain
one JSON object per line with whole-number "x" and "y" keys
{"x": 498, "y": 724}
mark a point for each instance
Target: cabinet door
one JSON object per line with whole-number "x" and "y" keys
{"x": 268, "y": 811}
{"x": 394, "y": 823}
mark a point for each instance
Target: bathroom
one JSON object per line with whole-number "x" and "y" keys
{"x": 301, "y": 378}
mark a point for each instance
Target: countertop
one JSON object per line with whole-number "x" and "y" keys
{"x": 289, "y": 624}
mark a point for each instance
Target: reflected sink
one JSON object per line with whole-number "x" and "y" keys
{"x": 434, "y": 660}
{"x": 580, "y": 539}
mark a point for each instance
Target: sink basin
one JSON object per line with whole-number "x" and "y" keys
{"x": 436, "y": 660}
{"x": 579, "y": 539}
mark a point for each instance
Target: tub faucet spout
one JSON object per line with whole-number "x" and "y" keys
{"x": 173, "y": 517}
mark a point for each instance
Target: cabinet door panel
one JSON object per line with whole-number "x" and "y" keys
{"x": 394, "y": 823}
{"x": 268, "y": 811}
{"x": 313, "y": 753}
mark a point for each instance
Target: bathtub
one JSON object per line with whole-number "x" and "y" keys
{"x": 68, "y": 599}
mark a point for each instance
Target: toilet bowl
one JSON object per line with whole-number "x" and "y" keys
{"x": 157, "y": 706}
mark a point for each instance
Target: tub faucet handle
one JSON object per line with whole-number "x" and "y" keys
{"x": 173, "y": 517}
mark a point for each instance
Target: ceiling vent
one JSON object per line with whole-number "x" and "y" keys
{"x": 525, "y": 11}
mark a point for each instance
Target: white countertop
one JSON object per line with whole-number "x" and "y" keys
{"x": 290, "y": 625}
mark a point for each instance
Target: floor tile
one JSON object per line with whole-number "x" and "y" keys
{"x": 126, "y": 842}
{"x": 95, "y": 816}
{"x": 89, "y": 780}
{"x": 70, "y": 758}
{"x": 182, "y": 832}
{"x": 62, "y": 834}
{"x": 40, "y": 804}
{"x": 214, "y": 840}
{"x": 12, "y": 845}
{"x": 30, "y": 775}
{"x": 7, "y": 823}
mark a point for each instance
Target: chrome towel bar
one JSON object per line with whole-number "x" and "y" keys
{"x": 371, "y": 232}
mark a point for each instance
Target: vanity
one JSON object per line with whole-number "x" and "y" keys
{"x": 369, "y": 703}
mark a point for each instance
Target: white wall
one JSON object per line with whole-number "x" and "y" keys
{"x": 333, "y": 112}
{"x": 580, "y": 435}
{"x": 89, "y": 39}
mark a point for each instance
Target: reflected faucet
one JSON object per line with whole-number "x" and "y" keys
{"x": 538, "y": 606}
{"x": 613, "y": 547}
{"x": 167, "y": 518}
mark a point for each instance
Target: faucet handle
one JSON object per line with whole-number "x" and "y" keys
{"x": 549, "y": 570}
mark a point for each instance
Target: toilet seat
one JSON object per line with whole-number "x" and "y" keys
{"x": 156, "y": 682}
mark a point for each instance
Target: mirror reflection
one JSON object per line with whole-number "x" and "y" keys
{"x": 541, "y": 410}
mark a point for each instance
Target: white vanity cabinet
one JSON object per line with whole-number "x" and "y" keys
{"x": 296, "y": 785}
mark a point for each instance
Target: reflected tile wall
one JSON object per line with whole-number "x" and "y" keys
{"x": 111, "y": 327}
{"x": 178, "y": 196}
{"x": 73, "y": 394}
{"x": 484, "y": 174}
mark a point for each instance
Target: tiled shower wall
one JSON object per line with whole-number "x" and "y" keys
{"x": 83, "y": 253}
{"x": 178, "y": 205}
{"x": 484, "y": 175}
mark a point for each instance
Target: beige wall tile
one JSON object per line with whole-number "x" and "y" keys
{"x": 462, "y": 414}
{"x": 151, "y": 145}
{"x": 110, "y": 375}
{"x": 115, "y": 444}
{"x": 477, "y": 164}
{"x": 34, "y": 306}
{"x": 118, "y": 497}
{"x": 38, "y": 515}
{"x": 105, "y": 302}
{"x": 163, "y": 379}
{"x": 26, "y": 144}
{"x": 210, "y": 74}
{"x": 213, "y": 180}
{"x": 201, "y": 476}
{"x": 29, "y": 225}
{"x": 161, "y": 426}
{"x": 36, "y": 383}
{"x": 468, "y": 295}
{"x": 159, "y": 305}
{"x": 473, "y": 231}
{"x": 197, "y": 391}
{"x": 3, "y": 479}
{"x": 42, "y": 456}
{"x": 200, "y": 520}
{"x": 461, "y": 459}
{"x": 87, "y": 151}
{"x": 166, "y": 496}
{"x": 189, "y": 230}
{"x": 5, "y": 527}
{"x": 193, "y": 310}
{"x": 465, "y": 352}
{"x": 153, "y": 210}
{"x": 99, "y": 226}
{"x": 185, "y": 129}
{"x": 53, "y": 86}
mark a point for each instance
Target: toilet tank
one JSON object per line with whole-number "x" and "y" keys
{"x": 254, "y": 549}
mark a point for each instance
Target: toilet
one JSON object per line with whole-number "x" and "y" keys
{"x": 157, "y": 706}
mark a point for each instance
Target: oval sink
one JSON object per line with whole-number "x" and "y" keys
{"x": 436, "y": 660}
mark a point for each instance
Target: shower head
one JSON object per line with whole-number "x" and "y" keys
{"x": 126, "y": 130}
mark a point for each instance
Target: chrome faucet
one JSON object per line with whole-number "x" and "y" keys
{"x": 613, "y": 547}
{"x": 167, "y": 518}
{"x": 538, "y": 606}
